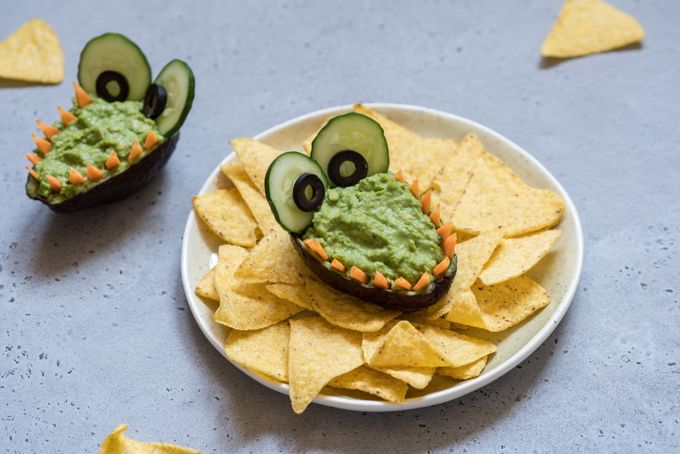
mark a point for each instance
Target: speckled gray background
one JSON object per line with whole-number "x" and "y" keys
{"x": 94, "y": 326}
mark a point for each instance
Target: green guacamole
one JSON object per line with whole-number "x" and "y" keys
{"x": 100, "y": 127}
{"x": 377, "y": 225}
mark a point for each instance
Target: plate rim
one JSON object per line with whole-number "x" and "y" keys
{"x": 437, "y": 397}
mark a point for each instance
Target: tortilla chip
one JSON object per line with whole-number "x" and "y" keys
{"x": 256, "y": 202}
{"x": 466, "y": 372}
{"x": 496, "y": 198}
{"x": 456, "y": 348}
{"x": 373, "y": 382}
{"x": 343, "y": 310}
{"x": 590, "y": 26}
{"x": 225, "y": 213}
{"x": 274, "y": 260}
{"x": 421, "y": 317}
{"x": 465, "y": 310}
{"x": 404, "y": 345}
{"x": 245, "y": 306}
{"x": 118, "y": 443}
{"x": 206, "y": 286}
{"x": 296, "y": 294}
{"x": 255, "y": 157}
{"x": 319, "y": 352}
{"x": 515, "y": 256}
{"x": 264, "y": 350}
{"x": 32, "y": 53}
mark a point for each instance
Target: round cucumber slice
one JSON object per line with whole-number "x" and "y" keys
{"x": 280, "y": 187}
{"x": 115, "y": 53}
{"x": 178, "y": 81}
{"x": 351, "y": 132}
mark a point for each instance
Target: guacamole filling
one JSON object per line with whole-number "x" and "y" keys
{"x": 377, "y": 225}
{"x": 101, "y": 127}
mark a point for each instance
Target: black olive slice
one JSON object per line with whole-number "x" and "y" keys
{"x": 102, "y": 86}
{"x": 155, "y": 100}
{"x": 308, "y": 192}
{"x": 335, "y": 165}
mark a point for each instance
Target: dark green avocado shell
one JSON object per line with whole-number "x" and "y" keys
{"x": 403, "y": 301}
{"x": 115, "y": 188}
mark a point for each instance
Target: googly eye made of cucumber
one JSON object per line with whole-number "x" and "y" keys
{"x": 295, "y": 187}
{"x": 349, "y": 148}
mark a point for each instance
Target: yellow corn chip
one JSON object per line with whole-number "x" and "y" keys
{"x": 465, "y": 310}
{"x": 373, "y": 382}
{"x": 255, "y": 157}
{"x": 296, "y": 294}
{"x": 421, "y": 317}
{"x": 263, "y": 350}
{"x": 465, "y": 372}
{"x": 345, "y": 311}
{"x": 118, "y": 443}
{"x": 206, "y": 286}
{"x": 318, "y": 353}
{"x": 404, "y": 345}
{"x": 496, "y": 198}
{"x": 457, "y": 349}
{"x": 256, "y": 202}
{"x": 515, "y": 256}
{"x": 32, "y": 53}
{"x": 590, "y": 26}
{"x": 225, "y": 213}
{"x": 273, "y": 260}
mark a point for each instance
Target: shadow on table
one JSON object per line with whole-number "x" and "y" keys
{"x": 549, "y": 62}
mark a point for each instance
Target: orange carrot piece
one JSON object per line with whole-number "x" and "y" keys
{"x": 135, "y": 152}
{"x": 380, "y": 281}
{"x": 415, "y": 189}
{"x": 66, "y": 116}
{"x": 358, "y": 274}
{"x": 321, "y": 252}
{"x": 450, "y": 246}
{"x": 441, "y": 267}
{"x": 150, "y": 141}
{"x": 426, "y": 202}
{"x": 337, "y": 266}
{"x": 33, "y": 158}
{"x": 94, "y": 173}
{"x": 309, "y": 243}
{"x": 55, "y": 184}
{"x": 43, "y": 145}
{"x": 400, "y": 176}
{"x": 112, "y": 161}
{"x": 75, "y": 177}
{"x": 424, "y": 281}
{"x": 436, "y": 216}
{"x": 444, "y": 231}
{"x": 82, "y": 98}
{"x": 49, "y": 130}
{"x": 403, "y": 283}
{"x": 33, "y": 173}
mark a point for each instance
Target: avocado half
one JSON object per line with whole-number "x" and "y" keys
{"x": 403, "y": 301}
{"x": 115, "y": 188}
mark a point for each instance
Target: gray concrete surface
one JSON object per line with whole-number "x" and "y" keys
{"x": 94, "y": 326}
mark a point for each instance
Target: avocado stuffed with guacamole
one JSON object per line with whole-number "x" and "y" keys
{"x": 120, "y": 131}
{"x": 360, "y": 228}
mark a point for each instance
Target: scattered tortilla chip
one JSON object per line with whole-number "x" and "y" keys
{"x": 404, "y": 345}
{"x": 226, "y": 214}
{"x": 590, "y": 26}
{"x": 373, "y": 382}
{"x": 32, "y": 53}
{"x": 496, "y": 198}
{"x": 256, "y": 202}
{"x": 263, "y": 350}
{"x": 206, "y": 286}
{"x": 118, "y": 443}
{"x": 345, "y": 311}
{"x": 296, "y": 294}
{"x": 255, "y": 157}
{"x": 274, "y": 260}
{"x": 458, "y": 349}
{"x": 465, "y": 372}
{"x": 319, "y": 352}
{"x": 515, "y": 256}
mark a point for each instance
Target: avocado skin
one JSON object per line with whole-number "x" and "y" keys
{"x": 118, "y": 187}
{"x": 385, "y": 298}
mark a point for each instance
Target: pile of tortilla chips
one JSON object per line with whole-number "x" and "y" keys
{"x": 33, "y": 54}
{"x": 290, "y": 327}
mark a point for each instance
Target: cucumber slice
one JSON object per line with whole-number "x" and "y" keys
{"x": 113, "y": 52}
{"x": 178, "y": 80}
{"x": 354, "y": 132}
{"x": 279, "y": 184}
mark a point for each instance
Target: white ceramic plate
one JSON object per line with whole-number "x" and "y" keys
{"x": 558, "y": 273}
